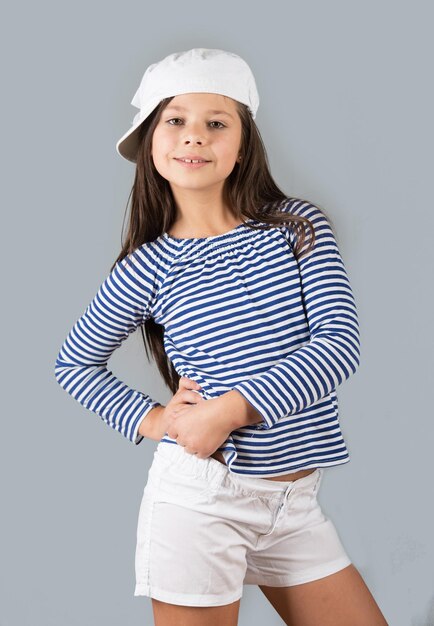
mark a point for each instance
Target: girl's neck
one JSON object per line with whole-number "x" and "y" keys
{"x": 203, "y": 217}
{"x": 184, "y": 232}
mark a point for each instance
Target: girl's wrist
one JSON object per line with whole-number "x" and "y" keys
{"x": 151, "y": 425}
{"x": 239, "y": 411}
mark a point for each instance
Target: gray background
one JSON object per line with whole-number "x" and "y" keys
{"x": 346, "y": 116}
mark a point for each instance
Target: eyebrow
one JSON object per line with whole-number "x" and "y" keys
{"x": 213, "y": 111}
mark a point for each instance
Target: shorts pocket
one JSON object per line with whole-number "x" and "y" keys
{"x": 171, "y": 485}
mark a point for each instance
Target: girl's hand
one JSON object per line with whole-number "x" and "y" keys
{"x": 164, "y": 415}
{"x": 198, "y": 426}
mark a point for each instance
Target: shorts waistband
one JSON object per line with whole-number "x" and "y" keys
{"x": 213, "y": 470}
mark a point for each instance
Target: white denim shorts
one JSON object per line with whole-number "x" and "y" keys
{"x": 203, "y": 532}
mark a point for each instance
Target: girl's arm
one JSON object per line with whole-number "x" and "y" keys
{"x": 154, "y": 426}
{"x": 333, "y": 353}
{"x": 120, "y": 305}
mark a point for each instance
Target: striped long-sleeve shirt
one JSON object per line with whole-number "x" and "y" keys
{"x": 239, "y": 312}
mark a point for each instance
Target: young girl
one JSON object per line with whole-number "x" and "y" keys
{"x": 250, "y": 317}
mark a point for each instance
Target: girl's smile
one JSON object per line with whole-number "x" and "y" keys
{"x": 192, "y": 164}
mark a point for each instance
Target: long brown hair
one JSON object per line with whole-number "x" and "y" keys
{"x": 249, "y": 191}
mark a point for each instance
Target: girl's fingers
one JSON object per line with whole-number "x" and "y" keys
{"x": 185, "y": 397}
{"x": 187, "y": 383}
{"x": 189, "y": 396}
{"x": 188, "y": 392}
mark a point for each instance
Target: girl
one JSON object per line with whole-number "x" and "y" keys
{"x": 250, "y": 317}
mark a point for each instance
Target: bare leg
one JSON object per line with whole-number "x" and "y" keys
{"x": 175, "y": 615}
{"x": 340, "y": 599}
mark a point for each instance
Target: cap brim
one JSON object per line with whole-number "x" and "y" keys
{"x": 128, "y": 144}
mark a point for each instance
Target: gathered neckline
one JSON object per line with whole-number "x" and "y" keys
{"x": 211, "y": 237}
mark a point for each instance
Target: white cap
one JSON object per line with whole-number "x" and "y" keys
{"x": 197, "y": 70}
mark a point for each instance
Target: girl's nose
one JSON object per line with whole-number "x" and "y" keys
{"x": 194, "y": 134}
{"x": 192, "y": 140}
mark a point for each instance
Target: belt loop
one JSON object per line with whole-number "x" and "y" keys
{"x": 318, "y": 480}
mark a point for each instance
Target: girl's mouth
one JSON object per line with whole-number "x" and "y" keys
{"x": 192, "y": 165}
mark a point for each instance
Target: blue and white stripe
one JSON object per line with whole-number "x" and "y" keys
{"x": 239, "y": 312}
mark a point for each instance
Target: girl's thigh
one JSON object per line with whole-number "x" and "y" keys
{"x": 169, "y": 614}
{"x": 339, "y": 599}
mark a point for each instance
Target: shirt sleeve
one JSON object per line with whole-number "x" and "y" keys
{"x": 332, "y": 354}
{"x": 120, "y": 305}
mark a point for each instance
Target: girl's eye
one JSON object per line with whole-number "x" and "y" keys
{"x": 221, "y": 125}
{"x": 173, "y": 119}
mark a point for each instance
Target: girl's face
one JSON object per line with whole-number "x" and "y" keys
{"x": 202, "y": 125}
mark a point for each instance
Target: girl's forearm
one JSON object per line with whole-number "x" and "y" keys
{"x": 238, "y": 410}
{"x": 153, "y": 426}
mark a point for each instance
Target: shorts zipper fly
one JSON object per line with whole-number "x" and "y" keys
{"x": 280, "y": 507}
